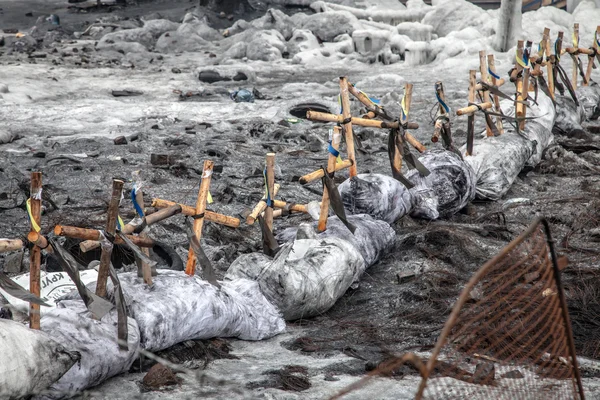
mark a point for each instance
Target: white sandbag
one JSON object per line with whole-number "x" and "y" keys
{"x": 589, "y": 98}
{"x": 568, "y": 116}
{"x": 307, "y": 276}
{"x": 372, "y": 237}
{"x": 497, "y": 161}
{"x": 379, "y": 196}
{"x": 448, "y": 188}
{"x": 72, "y": 325}
{"x": 179, "y": 307}
{"x": 30, "y": 360}
{"x": 538, "y": 130}
{"x": 54, "y": 286}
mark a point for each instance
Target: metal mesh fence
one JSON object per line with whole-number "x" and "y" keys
{"x": 509, "y": 335}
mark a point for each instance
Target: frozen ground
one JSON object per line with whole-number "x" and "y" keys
{"x": 62, "y": 107}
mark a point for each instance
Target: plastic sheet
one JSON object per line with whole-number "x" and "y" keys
{"x": 589, "y": 98}
{"x": 30, "y": 360}
{"x": 379, "y": 196}
{"x": 446, "y": 190}
{"x": 373, "y": 238}
{"x": 568, "y": 116}
{"x": 307, "y": 276}
{"x": 178, "y": 307}
{"x": 71, "y": 325}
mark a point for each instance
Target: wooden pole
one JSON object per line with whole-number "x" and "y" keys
{"x": 495, "y": 82}
{"x": 484, "y": 78}
{"x": 270, "y": 187}
{"x": 146, "y": 269}
{"x": 575, "y": 56}
{"x": 590, "y": 66}
{"x": 207, "y": 170}
{"x": 35, "y": 254}
{"x": 111, "y": 227}
{"x": 559, "y": 45}
{"x": 151, "y": 219}
{"x": 318, "y": 174}
{"x": 442, "y": 114}
{"x": 408, "y": 89}
{"x": 261, "y": 206}
{"x": 369, "y": 123}
{"x": 524, "y": 93}
{"x": 40, "y": 241}
{"x": 94, "y": 234}
{"x": 519, "y": 103}
{"x": 347, "y": 115}
{"x": 548, "y": 52}
{"x": 473, "y": 108}
{"x": 471, "y": 118}
{"x": 7, "y": 245}
{"x": 336, "y": 138}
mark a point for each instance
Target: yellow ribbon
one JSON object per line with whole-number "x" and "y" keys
{"x": 121, "y": 223}
{"x": 209, "y": 198}
{"x": 575, "y": 40}
{"x": 34, "y": 224}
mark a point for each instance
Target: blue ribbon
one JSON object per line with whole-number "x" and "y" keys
{"x": 442, "y": 103}
{"x": 526, "y": 57}
{"x": 137, "y": 207}
{"x": 492, "y": 73}
{"x": 556, "y": 52}
{"x": 333, "y": 151}
{"x": 268, "y": 199}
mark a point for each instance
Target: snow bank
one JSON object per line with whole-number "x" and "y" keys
{"x": 327, "y": 25}
{"x": 137, "y": 39}
{"x": 31, "y": 360}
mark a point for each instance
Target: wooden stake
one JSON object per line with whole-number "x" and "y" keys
{"x": 335, "y": 138}
{"x": 35, "y": 254}
{"x": 471, "y": 118}
{"x": 495, "y": 82}
{"x": 520, "y": 48}
{"x": 523, "y": 97}
{"x": 347, "y": 115}
{"x": 369, "y": 123}
{"x": 575, "y": 56}
{"x": 484, "y": 78}
{"x": 207, "y": 170}
{"x": 318, "y": 174}
{"x": 271, "y": 186}
{"x": 7, "y": 245}
{"x": 94, "y": 234}
{"x": 111, "y": 227}
{"x": 590, "y": 66}
{"x": 261, "y": 206}
{"x": 473, "y": 108}
{"x": 408, "y": 89}
{"x": 439, "y": 122}
{"x": 40, "y": 241}
{"x": 548, "y": 52}
{"x": 146, "y": 269}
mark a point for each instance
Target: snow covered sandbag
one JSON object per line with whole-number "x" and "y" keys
{"x": 446, "y": 190}
{"x": 72, "y": 325}
{"x": 373, "y": 237}
{"x": 497, "y": 161}
{"x": 568, "y": 117}
{"x": 179, "y": 307}
{"x": 30, "y": 360}
{"x": 307, "y": 276}
{"x": 379, "y": 196}
{"x": 54, "y": 286}
{"x": 538, "y": 130}
{"x": 589, "y": 98}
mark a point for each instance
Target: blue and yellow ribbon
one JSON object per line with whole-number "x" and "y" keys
{"x": 523, "y": 62}
{"x": 556, "y": 52}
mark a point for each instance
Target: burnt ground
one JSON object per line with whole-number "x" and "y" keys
{"x": 63, "y": 110}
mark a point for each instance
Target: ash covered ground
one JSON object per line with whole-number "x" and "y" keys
{"x": 58, "y": 109}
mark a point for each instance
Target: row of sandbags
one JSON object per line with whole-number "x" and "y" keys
{"x": 455, "y": 180}
{"x": 82, "y": 352}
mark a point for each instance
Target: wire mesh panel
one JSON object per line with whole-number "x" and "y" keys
{"x": 509, "y": 334}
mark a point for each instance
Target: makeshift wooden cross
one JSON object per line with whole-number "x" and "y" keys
{"x": 522, "y": 84}
{"x": 549, "y": 61}
{"x": 34, "y": 208}
{"x": 575, "y": 55}
{"x": 497, "y": 82}
{"x": 442, "y": 121}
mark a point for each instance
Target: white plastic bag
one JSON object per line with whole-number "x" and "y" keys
{"x": 72, "y": 325}
{"x": 379, "y": 196}
{"x": 30, "y": 361}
